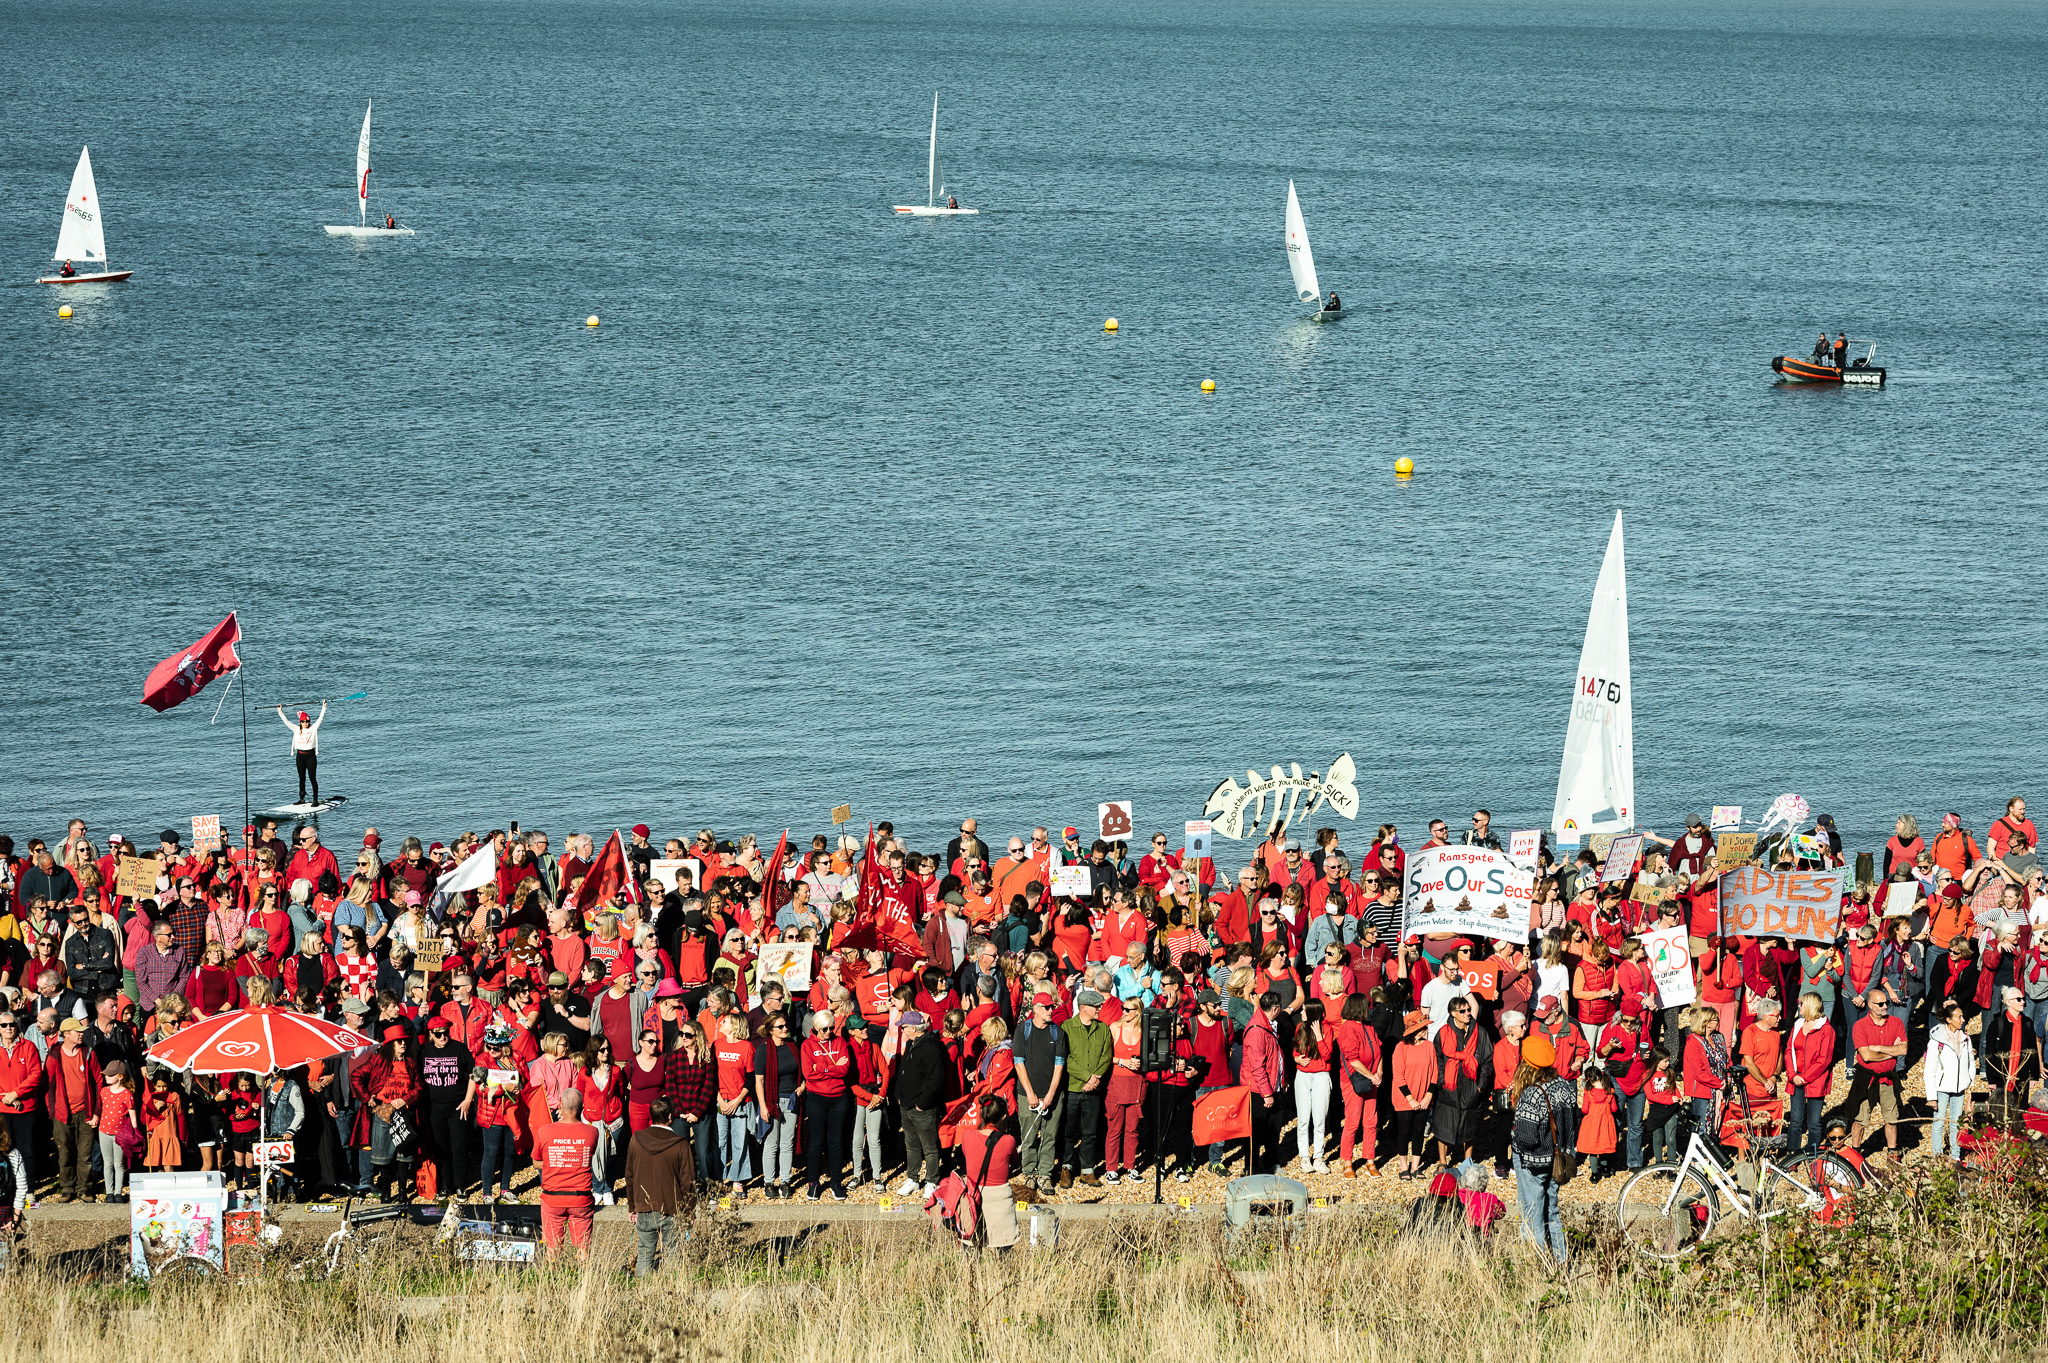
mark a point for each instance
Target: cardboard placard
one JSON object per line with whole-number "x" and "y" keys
{"x": 1621, "y": 858}
{"x": 205, "y": 832}
{"x": 1899, "y": 898}
{"x": 1727, "y": 819}
{"x": 1733, "y": 850}
{"x": 1195, "y": 841}
{"x": 1803, "y": 906}
{"x": 1668, "y": 954}
{"x": 1523, "y": 845}
{"x": 788, "y": 962}
{"x": 1484, "y": 980}
{"x": 1113, "y": 821}
{"x": 1598, "y": 844}
{"x": 430, "y": 956}
{"x": 1073, "y": 881}
{"x": 1650, "y": 894}
{"x": 135, "y": 877}
{"x": 841, "y": 814}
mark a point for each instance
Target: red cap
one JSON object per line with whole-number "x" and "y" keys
{"x": 639, "y": 830}
{"x": 396, "y": 1032}
{"x": 249, "y": 830}
{"x": 372, "y": 840}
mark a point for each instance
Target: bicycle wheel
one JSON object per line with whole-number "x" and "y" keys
{"x": 1829, "y": 1170}
{"x": 183, "y": 1271}
{"x": 1665, "y": 1214}
{"x": 246, "y": 1260}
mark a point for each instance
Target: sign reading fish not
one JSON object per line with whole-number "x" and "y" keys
{"x": 1229, "y": 802}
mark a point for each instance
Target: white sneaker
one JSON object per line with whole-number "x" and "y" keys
{"x": 906, "y": 1187}
{"x": 929, "y": 1189}
{"x": 1109, "y": 1176}
{"x": 1321, "y": 1167}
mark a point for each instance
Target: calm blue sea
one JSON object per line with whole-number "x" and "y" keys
{"x": 836, "y": 507}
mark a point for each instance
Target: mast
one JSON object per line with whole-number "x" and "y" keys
{"x": 931, "y": 170}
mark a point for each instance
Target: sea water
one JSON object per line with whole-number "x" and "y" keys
{"x": 835, "y": 506}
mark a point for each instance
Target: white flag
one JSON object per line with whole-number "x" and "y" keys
{"x": 480, "y": 870}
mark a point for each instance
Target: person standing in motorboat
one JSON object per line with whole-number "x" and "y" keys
{"x": 1821, "y": 349}
{"x": 1841, "y": 350}
{"x": 306, "y": 749}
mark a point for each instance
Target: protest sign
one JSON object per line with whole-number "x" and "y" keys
{"x": 135, "y": 878}
{"x": 1732, "y": 850}
{"x": 1799, "y": 905}
{"x": 1472, "y": 890}
{"x": 1899, "y": 898}
{"x": 1523, "y": 846}
{"x": 205, "y": 832}
{"x": 1484, "y": 978}
{"x": 1113, "y": 821}
{"x": 841, "y": 814}
{"x": 1072, "y": 881}
{"x": 1598, "y": 844}
{"x": 1282, "y": 792}
{"x": 1669, "y": 956}
{"x": 789, "y": 962}
{"x": 1650, "y": 894}
{"x": 431, "y": 956}
{"x": 1621, "y": 858}
{"x": 664, "y": 870}
{"x": 274, "y": 1152}
{"x": 1727, "y": 818}
{"x": 1195, "y": 842}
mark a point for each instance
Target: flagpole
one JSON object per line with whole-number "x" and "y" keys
{"x": 245, "y": 759}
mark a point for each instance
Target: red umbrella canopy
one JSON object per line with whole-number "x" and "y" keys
{"x": 255, "y": 1040}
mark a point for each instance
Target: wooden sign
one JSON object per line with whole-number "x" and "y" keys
{"x": 1732, "y": 850}
{"x": 135, "y": 878}
{"x": 205, "y": 832}
{"x": 431, "y": 956}
{"x": 841, "y": 814}
{"x": 1113, "y": 819}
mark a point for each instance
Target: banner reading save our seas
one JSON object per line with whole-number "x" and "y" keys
{"x": 1804, "y": 906}
{"x": 1470, "y": 890}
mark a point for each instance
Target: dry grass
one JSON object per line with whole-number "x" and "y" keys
{"x": 1134, "y": 1291}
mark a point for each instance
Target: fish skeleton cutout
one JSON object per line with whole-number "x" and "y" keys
{"x": 1229, "y": 802}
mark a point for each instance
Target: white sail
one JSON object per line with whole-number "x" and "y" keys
{"x": 931, "y": 175}
{"x": 83, "y": 235}
{"x": 363, "y": 168}
{"x": 1596, "y": 786}
{"x": 1299, "y": 258}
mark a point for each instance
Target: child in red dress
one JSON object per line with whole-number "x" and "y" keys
{"x": 1596, "y": 1125}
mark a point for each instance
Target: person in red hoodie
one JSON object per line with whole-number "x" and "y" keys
{"x": 1264, "y": 1070}
{"x": 21, "y": 1085}
{"x": 826, "y": 1061}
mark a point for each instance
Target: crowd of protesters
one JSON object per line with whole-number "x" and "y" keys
{"x": 614, "y": 1032}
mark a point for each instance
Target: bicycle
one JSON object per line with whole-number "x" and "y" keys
{"x": 468, "y": 1241}
{"x": 345, "y": 1249}
{"x": 1666, "y": 1210}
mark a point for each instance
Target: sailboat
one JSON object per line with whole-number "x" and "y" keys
{"x": 937, "y": 203}
{"x": 1596, "y": 786}
{"x": 1302, "y": 262}
{"x": 83, "y": 233}
{"x": 363, "y": 227}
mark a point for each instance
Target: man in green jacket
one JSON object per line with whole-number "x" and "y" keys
{"x": 1089, "y": 1053}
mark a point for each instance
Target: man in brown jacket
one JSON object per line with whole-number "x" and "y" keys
{"x": 661, "y": 1186}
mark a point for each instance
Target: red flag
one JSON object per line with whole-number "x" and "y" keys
{"x": 899, "y": 928}
{"x": 606, "y": 876}
{"x": 1225, "y": 1115}
{"x": 181, "y": 676}
{"x": 773, "y": 885}
{"x": 861, "y": 933}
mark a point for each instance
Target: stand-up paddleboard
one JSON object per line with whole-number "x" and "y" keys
{"x": 297, "y": 811}
{"x": 362, "y": 227}
{"x": 83, "y": 233}
{"x": 935, "y": 195}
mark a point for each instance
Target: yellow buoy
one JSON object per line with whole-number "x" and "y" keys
{"x": 1404, "y": 466}
{"x": 1110, "y": 325}
{"x": 1208, "y": 385}
{"x": 591, "y": 320}
{"x": 64, "y": 311}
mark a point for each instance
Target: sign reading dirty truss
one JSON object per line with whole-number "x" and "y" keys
{"x": 1230, "y": 802}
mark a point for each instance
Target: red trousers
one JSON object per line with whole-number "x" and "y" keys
{"x": 572, "y": 1212}
{"x": 1357, "y": 1111}
{"x": 1120, "y": 1147}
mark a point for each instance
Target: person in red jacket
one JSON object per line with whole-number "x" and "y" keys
{"x": 1361, "y": 1072}
{"x": 21, "y": 1085}
{"x": 72, "y": 1081}
{"x": 563, "y": 1149}
{"x": 827, "y": 1065}
{"x": 311, "y": 861}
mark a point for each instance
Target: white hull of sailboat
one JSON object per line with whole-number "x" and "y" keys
{"x": 108, "y": 277}
{"x": 1326, "y": 314}
{"x": 921, "y": 211}
{"x": 369, "y": 231}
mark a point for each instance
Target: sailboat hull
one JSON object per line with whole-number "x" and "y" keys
{"x": 109, "y": 277}
{"x": 920, "y": 211}
{"x": 1326, "y": 314}
{"x": 369, "y": 231}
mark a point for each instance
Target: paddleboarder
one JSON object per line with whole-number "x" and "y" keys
{"x": 306, "y": 748}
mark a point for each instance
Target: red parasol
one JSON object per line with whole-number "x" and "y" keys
{"x": 255, "y": 1041}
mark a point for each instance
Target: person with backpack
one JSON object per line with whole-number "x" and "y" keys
{"x": 986, "y": 1151}
{"x": 1546, "y": 1107}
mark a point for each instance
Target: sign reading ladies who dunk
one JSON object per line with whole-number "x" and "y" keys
{"x": 1804, "y": 906}
{"x": 1472, "y": 890}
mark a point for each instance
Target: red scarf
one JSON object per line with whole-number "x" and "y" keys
{"x": 1467, "y": 1057}
{"x": 2012, "y": 1050}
